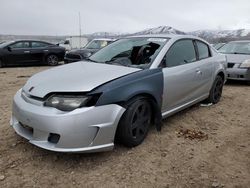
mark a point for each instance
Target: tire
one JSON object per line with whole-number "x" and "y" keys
{"x": 135, "y": 122}
{"x": 52, "y": 60}
{"x": 216, "y": 90}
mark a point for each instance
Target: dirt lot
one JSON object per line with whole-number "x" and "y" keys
{"x": 165, "y": 159}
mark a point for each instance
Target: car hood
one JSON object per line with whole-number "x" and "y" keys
{"x": 83, "y": 51}
{"x": 82, "y": 76}
{"x": 236, "y": 58}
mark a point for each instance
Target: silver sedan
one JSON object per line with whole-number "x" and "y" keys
{"x": 117, "y": 93}
{"x": 238, "y": 58}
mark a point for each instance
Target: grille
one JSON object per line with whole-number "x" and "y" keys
{"x": 230, "y": 65}
{"x": 73, "y": 56}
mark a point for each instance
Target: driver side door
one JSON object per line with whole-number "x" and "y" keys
{"x": 182, "y": 76}
{"x": 18, "y": 53}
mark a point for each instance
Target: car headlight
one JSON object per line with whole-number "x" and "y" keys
{"x": 245, "y": 64}
{"x": 67, "y": 102}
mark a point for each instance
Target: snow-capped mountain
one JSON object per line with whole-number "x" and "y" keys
{"x": 209, "y": 34}
{"x": 160, "y": 30}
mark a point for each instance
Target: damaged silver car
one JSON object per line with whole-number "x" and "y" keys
{"x": 117, "y": 93}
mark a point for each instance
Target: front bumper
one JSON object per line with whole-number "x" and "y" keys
{"x": 90, "y": 129}
{"x": 238, "y": 74}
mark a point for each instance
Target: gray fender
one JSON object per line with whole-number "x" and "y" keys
{"x": 147, "y": 82}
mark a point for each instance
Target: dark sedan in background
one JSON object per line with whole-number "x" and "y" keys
{"x": 83, "y": 53}
{"x": 27, "y": 52}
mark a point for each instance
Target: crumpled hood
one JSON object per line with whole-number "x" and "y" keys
{"x": 236, "y": 58}
{"x": 76, "y": 77}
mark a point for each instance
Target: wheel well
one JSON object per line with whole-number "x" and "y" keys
{"x": 156, "y": 109}
{"x": 50, "y": 54}
{"x": 222, "y": 75}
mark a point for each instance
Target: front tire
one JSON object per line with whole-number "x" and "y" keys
{"x": 52, "y": 60}
{"x": 216, "y": 90}
{"x": 135, "y": 122}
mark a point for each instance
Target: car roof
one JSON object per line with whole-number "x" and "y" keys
{"x": 240, "y": 41}
{"x": 170, "y": 36}
{"x": 29, "y": 40}
{"x": 107, "y": 39}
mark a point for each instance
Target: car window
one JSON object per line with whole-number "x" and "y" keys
{"x": 38, "y": 44}
{"x": 137, "y": 52}
{"x": 20, "y": 45}
{"x": 97, "y": 44}
{"x": 180, "y": 53}
{"x": 203, "y": 50}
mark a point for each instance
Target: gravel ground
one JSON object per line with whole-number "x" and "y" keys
{"x": 165, "y": 159}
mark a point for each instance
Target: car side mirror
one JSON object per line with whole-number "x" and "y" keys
{"x": 9, "y": 49}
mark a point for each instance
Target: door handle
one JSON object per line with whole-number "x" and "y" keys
{"x": 45, "y": 50}
{"x": 198, "y": 71}
{"x": 26, "y": 52}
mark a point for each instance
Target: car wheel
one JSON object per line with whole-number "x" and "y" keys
{"x": 135, "y": 122}
{"x": 52, "y": 60}
{"x": 216, "y": 90}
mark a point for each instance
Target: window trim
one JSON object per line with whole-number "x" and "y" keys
{"x": 164, "y": 57}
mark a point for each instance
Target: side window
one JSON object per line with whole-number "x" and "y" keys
{"x": 180, "y": 53}
{"x": 203, "y": 50}
{"x": 38, "y": 44}
{"x": 20, "y": 45}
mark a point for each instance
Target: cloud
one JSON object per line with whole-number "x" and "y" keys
{"x": 60, "y": 17}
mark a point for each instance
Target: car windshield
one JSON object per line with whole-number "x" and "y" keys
{"x": 218, "y": 46}
{"x": 132, "y": 52}
{"x": 97, "y": 44}
{"x": 4, "y": 44}
{"x": 236, "y": 48}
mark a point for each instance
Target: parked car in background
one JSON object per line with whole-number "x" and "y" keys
{"x": 218, "y": 45}
{"x": 74, "y": 42}
{"x": 83, "y": 53}
{"x": 27, "y": 52}
{"x": 238, "y": 58}
{"x": 118, "y": 93}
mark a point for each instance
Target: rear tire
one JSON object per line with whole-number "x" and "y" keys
{"x": 216, "y": 90}
{"x": 135, "y": 122}
{"x": 52, "y": 60}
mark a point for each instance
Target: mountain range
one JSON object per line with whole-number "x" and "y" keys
{"x": 213, "y": 36}
{"x": 210, "y": 35}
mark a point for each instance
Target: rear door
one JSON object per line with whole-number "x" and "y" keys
{"x": 205, "y": 66}
{"x": 19, "y": 53}
{"x": 38, "y": 49}
{"x": 182, "y": 75}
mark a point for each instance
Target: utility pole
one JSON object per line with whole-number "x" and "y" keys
{"x": 80, "y": 30}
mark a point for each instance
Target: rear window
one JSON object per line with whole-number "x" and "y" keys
{"x": 38, "y": 44}
{"x": 203, "y": 50}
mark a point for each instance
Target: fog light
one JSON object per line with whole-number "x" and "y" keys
{"x": 54, "y": 138}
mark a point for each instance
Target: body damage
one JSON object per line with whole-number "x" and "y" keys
{"x": 147, "y": 83}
